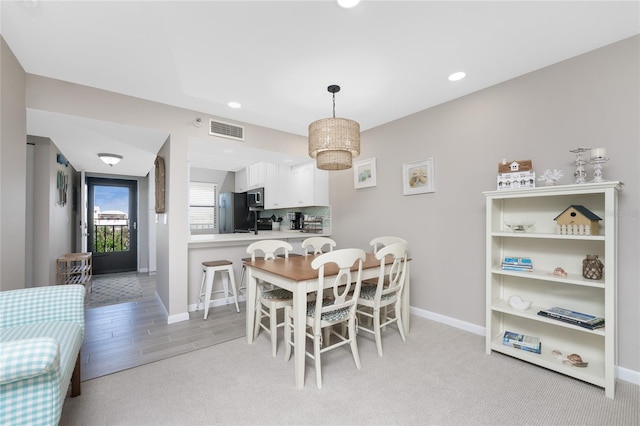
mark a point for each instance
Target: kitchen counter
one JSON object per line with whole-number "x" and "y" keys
{"x": 217, "y": 240}
{"x": 232, "y": 247}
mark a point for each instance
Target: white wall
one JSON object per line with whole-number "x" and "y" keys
{"x": 13, "y": 162}
{"x": 591, "y": 100}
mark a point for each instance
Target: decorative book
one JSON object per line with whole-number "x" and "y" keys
{"x": 573, "y": 317}
{"x": 520, "y": 341}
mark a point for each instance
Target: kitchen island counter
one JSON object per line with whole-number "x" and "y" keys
{"x": 232, "y": 247}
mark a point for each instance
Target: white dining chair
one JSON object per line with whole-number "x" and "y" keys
{"x": 374, "y": 300}
{"x": 316, "y": 245}
{"x": 379, "y": 242}
{"x": 325, "y": 312}
{"x": 269, "y": 299}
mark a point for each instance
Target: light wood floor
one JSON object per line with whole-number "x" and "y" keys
{"x": 126, "y": 335}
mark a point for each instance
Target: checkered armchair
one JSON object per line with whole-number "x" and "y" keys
{"x": 41, "y": 332}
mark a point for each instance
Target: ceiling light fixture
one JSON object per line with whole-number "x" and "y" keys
{"x": 457, "y": 76}
{"x": 348, "y": 4}
{"x": 234, "y": 105}
{"x": 110, "y": 159}
{"x": 334, "y": 142}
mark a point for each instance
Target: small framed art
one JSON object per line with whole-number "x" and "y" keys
{"x": 418, "y": 177}
{"x": 364, "y": 173}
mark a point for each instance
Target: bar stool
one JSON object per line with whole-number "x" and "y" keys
{"x": 209, "y": 270}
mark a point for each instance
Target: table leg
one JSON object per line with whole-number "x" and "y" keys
{"x": 250, "y": 304}
{"x": 299, "y": 335}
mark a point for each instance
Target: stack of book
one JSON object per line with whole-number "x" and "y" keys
{"x": 520, "y": 341}
{"x": 517, "y": 264}
{"x": 573, "y": 317}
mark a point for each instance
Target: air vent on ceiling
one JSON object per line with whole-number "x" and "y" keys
{"x": 226, "y": 130}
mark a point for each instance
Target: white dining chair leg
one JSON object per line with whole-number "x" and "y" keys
{"x": 354, "y": 343}
{"x": 318, "y": 364}
{"x": 288, "y": 333}
{"x": 399, "y": 321}
{"x": 258, "y": 319}
{"x": 376, "y": 329}
{"x": 273, "y": 329}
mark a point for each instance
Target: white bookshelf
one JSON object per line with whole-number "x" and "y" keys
{"x": 547, "y": 251}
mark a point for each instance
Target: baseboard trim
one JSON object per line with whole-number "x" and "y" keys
{"x": 463, "y": 325}
{"x": 622, "y": 373}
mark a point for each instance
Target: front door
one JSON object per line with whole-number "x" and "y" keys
{"x": 113, "y": 224}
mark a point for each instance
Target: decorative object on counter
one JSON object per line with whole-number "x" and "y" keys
{"x": 418, "y": 177}
{"x": 334, "y": 142}
{"x": 516, "y": 174}
{"x": 577, "y": 220}
{"x": 560, "y": 272}
{"x": 519, "y": 226}
{"x": 598, "y": 158}
{"x": 516, "y": 302}
{"x": 580, "y": 174}
{"x": 364, "y": 173}
{"x": 592, "y": 267}
{"x": 550, "y": 177}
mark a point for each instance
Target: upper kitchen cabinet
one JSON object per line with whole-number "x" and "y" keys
{"x": 251, "y": 177}
{"x": 277, "y": 187}
{"x": 310, "y": 186}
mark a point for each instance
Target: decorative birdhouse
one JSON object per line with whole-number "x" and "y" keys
{"x": 516, "y": 174}
{"x": 577, "y": 220}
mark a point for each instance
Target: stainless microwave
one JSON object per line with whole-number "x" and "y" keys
{"x": 255, "y": 199}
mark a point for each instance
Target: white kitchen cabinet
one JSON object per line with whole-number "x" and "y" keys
{"x": 310, "y": 186}
{"x": 549, "y": 250}
{"x": 277, "y": 187}
{"x": 256, "y": 174}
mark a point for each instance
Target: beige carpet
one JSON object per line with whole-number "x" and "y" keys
{"x": 440, "y": 376}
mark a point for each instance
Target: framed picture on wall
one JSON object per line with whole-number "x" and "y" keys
{"x": 364, "y": 173}
{"x": 418, "y": 177}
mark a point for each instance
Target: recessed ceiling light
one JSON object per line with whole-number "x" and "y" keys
{"x": 457, "y": 76}
{"x": 234, "y": 105}
{"x": 347, "y": 4}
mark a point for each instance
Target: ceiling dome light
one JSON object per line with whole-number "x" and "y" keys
{"x": 457, "y": 76}
{"x": 235, "y": 105}
{"x": 348, "y": 4}
{"x": 110, "y": 159}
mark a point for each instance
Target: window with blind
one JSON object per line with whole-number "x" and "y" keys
{"x": 203, "y": 200}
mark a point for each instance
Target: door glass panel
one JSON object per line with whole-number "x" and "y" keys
{"x": 110, "y": 219}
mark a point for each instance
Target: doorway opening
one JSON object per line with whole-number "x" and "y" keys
{"x": 112, "y": 224}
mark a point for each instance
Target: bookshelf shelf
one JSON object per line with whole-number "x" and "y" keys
{"x": 548, "y": 250}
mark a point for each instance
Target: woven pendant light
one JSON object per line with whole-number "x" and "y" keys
{"x": 334, "y": 142}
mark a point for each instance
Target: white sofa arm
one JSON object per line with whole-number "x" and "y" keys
{"x": 28, "y": 358}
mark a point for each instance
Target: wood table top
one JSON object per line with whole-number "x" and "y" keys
{"x": 298, "y": 268}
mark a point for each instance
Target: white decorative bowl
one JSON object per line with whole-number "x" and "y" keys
{"x": 516, "y": 302}
{"x": 519, "y": 226}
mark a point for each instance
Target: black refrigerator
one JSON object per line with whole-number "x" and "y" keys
{"x": 233, "y": 213}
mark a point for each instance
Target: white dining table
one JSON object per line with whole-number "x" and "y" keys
{"x": 296, "y": 275}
